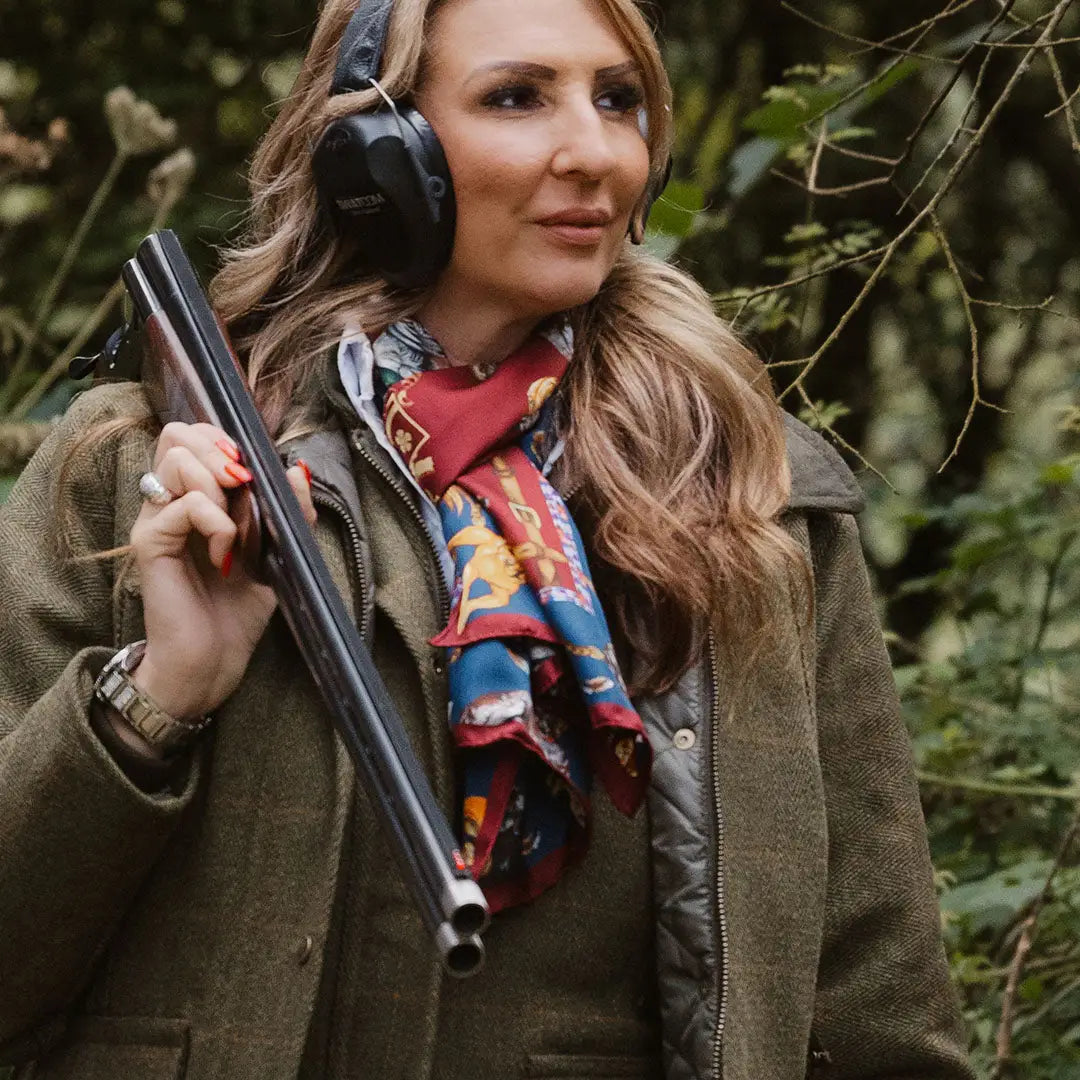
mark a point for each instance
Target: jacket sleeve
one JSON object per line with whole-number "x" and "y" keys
{"x": 76, "y": 836}
{"x": 885, "y": 1007}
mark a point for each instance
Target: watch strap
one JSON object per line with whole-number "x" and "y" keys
{"x": 116, "y": 689}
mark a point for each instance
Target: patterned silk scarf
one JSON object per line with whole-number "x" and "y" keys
{"x": 537, "y": 702}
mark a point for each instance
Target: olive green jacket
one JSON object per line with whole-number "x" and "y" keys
{"x": 181, "y": 935}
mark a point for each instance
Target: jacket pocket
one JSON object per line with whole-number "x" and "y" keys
{"x": 109, "y": 1047}
{"x": 590, "y": 1067}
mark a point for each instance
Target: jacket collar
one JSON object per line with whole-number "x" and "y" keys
{"x": 819, "y": 478}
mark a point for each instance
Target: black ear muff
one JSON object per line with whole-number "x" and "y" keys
{"x": 381, "y": 176}
{"x": 383, "y": 182}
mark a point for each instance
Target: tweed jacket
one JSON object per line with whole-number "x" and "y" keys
{"x": 181, "y": 935}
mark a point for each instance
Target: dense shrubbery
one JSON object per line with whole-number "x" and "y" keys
{"x": 896, "y": 294}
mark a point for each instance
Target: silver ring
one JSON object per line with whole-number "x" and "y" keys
{"x": 154, "y": 491}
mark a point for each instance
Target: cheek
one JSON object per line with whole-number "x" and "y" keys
{"x": 493, "y": 176}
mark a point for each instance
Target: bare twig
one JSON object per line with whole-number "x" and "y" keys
{"x": 833, "y": 434}
{"x": 52, "y": 290}
{"x": 59, "y": 366}
{"x": 1065, "y": 104}
{"x": 167, "y": 183}
{"x": 1059, "y": 83}
{"x": 921, "y": 29}
{"x": 958, "y": 166}
{"x": 749, "y": 296}
{"x": 1053, "y": 43}
{"x": 1003, "y": 1043}
{"x": 973, "y": 331}
{"x": 960, "y": 129}
{"x": 1053, "y": 569}
{"x": 859, "y": 155}
{"x": 998, "y": 788}
{"x": 884, "y": 44}
{"x": 944, "y": 92}
{"x": 836, "y": 192}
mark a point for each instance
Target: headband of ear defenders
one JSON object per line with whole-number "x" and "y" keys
{"x": 361, "y": 48}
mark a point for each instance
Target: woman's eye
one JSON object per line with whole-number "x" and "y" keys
{"x": 512, "y": 97}
{"x": 621, "y": 99}
{"x": 625, "y": 98}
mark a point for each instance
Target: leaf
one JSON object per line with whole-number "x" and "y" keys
{"x": 750, "y": 162}
{"x": 237, "y": 121}
{"x": 676, "y": 211}
{"x": 68, "y": 320}
{"x": 990, "y": 904}
{"x": 789, "y": 107}
{"x": 23, "y": 202}
{"x": 227, "y": 69}
{"x": 849, "y": 134}
{"x": 1057, "y": 474}
{"x": 171, "y": 12}
{"x": 17, "y": 84}
{"x": 279, "y": 75}
{"x": 823, "y": 414}
{"x": 805, "y": 233}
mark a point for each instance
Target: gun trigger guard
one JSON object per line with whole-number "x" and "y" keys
{"x": 81, "y": 366}
{"x": 119, "y": 359}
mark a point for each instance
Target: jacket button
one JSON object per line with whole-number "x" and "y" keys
{"x": 684, "y": 739}
{"x": 303, "y": 953}
{"x": 439, "y": 665}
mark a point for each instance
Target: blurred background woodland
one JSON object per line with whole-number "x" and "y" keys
{"x": 885, "y": 198}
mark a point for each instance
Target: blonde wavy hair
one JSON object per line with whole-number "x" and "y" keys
{"x": 675, "y": 448}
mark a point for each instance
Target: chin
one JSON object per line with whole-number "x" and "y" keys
{"x": 561, "y": 288}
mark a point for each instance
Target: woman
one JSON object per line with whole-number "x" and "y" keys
{"x": 227, "y": 908}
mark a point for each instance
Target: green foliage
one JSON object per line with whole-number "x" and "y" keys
{"x": 991, "y": 699}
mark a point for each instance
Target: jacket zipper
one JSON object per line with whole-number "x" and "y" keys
{"x": 721, "y": 917}
{"x": 440, "y": 584}
{"x": 320, "y": 497}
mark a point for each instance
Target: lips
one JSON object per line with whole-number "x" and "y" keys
{"x": 583, "y": 218}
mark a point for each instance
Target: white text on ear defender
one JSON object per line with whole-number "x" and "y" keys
{"x": 361, "y": 203}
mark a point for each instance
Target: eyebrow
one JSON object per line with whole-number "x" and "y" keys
{"x": 548, "y": 74}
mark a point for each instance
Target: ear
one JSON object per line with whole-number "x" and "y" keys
{"x": 653, "y": 190}
{"x": 636, "y": 230}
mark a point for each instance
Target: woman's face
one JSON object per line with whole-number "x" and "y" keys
{"x": 536, "y": 103}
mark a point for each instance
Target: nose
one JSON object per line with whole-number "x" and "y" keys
{"x": 583, "y": 144}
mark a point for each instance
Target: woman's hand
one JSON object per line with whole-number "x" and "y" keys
{"x": 203, "y": 616}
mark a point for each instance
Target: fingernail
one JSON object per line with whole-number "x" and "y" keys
{"x": 226, "y": 564}
{"x": 238, "y": 472}
{"x": 307, "y": 472}
{"x": 228, "y": 450}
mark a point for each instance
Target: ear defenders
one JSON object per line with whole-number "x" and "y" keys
{"x": 381, "y": 176}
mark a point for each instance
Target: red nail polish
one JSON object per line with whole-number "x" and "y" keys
{"x": 238, "y": 472}
{"x": 307, "y": 472}
{"x": 226, "y": 564}
{"x": 228, "y": 450}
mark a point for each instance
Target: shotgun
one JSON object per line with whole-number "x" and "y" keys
{"x": 190, "y": 373}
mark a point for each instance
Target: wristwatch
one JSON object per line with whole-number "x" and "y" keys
{"x": 116, "y": 689}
